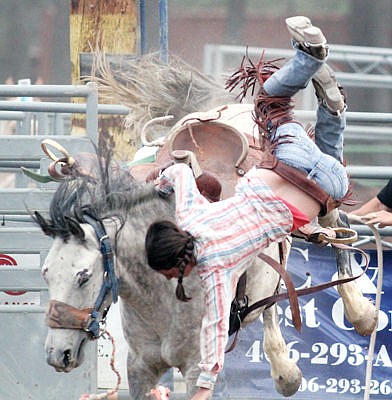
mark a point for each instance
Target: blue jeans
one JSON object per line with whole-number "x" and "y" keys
{"x": 321, "y": 161}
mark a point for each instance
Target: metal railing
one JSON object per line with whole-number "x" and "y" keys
{"x": 18, "y": 110}
{"x": 25, "y": 243}
{"x": 362, "y": 60}
{"x": 366, "y": 67}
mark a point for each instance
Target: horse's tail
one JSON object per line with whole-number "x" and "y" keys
{"x": 151, "y": 88}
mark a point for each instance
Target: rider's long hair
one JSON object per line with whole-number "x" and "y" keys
{"x": 168, "y": 246}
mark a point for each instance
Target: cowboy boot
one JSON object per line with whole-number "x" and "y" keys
{"x": 328, "y": 92}
{"x": 307, "y": 37}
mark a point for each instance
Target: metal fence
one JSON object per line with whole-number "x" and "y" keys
{"x": 368, "y": 66}
{"x": 361, "y": 67}
{"x": 23, "y": 247}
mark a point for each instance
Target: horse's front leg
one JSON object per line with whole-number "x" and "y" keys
{"x": 142, "y": 376}
{"x": 284, "y": 371}
{"x": 359, "y": 310}
{"x": 191, "y": 372}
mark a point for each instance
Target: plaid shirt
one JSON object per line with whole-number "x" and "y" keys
{"x": 228, "y": 235}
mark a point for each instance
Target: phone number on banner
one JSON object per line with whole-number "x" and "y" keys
{"x": 323, "y": 354}
{"x": 337, "y": 353}
{"x": 333, "y": 385}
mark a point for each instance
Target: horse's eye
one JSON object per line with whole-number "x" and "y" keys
{"x": 83, "y": 277}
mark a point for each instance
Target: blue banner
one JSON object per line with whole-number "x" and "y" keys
{"x": 330, "y": 354}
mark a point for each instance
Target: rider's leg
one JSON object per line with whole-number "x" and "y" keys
{"x": 311, "y": 52}
{"x": 293, "y": 146}
{"x": 331, "y": 120}
{"x": 293, "y": 76}
{"x": 329, "y": 131}
{"x": 330, "y": 115}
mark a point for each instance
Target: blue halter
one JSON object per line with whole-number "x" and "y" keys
{"x": 110, "y": 281}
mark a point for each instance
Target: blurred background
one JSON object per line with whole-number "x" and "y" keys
{"x": 34, "y": 34}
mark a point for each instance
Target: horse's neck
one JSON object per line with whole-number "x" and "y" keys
{"x": 128, "y": 239}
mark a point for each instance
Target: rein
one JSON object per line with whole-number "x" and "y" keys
{"x": 292, "y": 294}
{"x": 63, "y": 316}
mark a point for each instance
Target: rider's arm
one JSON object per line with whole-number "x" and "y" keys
{"x": 179, "y": 177}
{"x": 217, "y": 289}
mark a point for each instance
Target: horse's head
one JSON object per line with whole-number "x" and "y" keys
{"x": 79, "y": 271}
{"x": 79, "y": 268}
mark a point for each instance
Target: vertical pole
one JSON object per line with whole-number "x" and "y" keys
{"x": 92, "y": 113}
{"x": 111, "y": 27}
{"x": 142, "y": 8}
{"x": 163, "y": 31}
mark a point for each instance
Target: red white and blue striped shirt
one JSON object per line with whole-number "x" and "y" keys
{"x": 228, "y": 235}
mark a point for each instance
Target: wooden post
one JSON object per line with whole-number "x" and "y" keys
{"x": 111, "y": 26}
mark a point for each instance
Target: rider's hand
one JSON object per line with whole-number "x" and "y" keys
{"x": 202, "y": 394}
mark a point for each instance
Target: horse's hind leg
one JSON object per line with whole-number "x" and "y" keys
{"x": 284, "y": 371}
{"x": 359, "y": 310}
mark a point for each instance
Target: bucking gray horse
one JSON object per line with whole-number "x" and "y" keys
{"x": 98, "y": 227}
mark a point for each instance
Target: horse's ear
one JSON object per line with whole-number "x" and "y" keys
{"x": 44, "y": 225}
{"x": 74, "y": 227}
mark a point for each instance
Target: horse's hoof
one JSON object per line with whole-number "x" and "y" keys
{"x": 359, "y": 310}
{"x": 365, "y": 328}
{"x": 288, "y": 385}
{"x": 366, "y": 325}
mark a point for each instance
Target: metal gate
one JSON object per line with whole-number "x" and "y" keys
{"x": 23, "y": 248}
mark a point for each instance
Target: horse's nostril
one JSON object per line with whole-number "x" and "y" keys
{"x": 66, "y": 358}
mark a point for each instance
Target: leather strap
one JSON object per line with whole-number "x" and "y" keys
{"x": 63, "y": 316}
{"x": 241, "y": 287}
{"x": 347, "y": 236}
{"x": 300, "y": 180}
{"x": 302, "y": 292}
{"x": 322, "y": 236}
{"x": 241, "y": 297}
{"x": 291, "y": 292}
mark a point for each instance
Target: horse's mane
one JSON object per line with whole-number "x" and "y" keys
{"x": 151, "y": 88}
{"x": 111, "y": 192}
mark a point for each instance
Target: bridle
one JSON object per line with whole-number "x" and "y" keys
{"x": 63, "y": 316}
